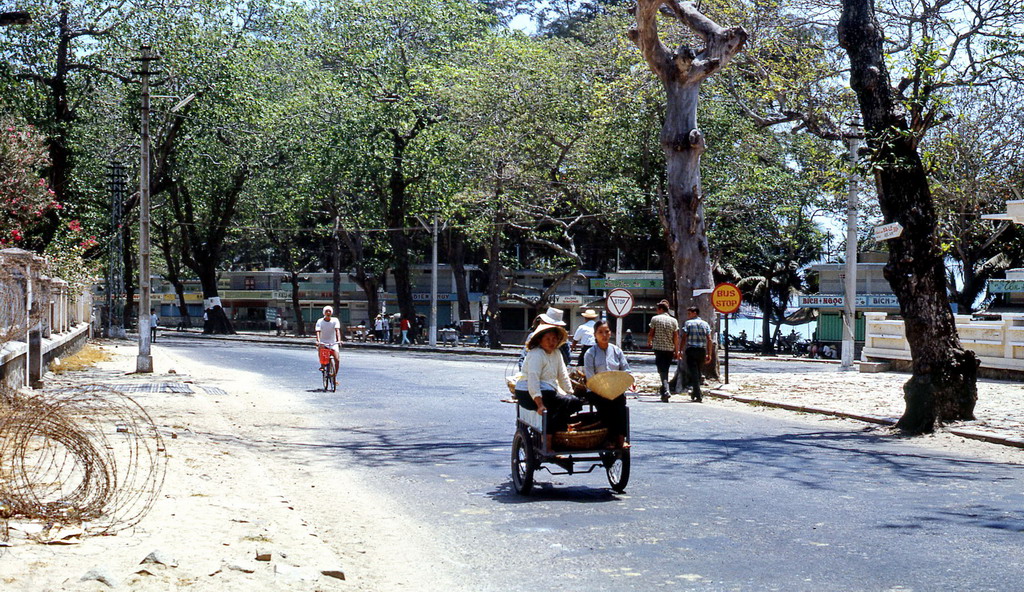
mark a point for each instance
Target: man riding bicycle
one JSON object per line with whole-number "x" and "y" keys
{"x": 328, "y": 335}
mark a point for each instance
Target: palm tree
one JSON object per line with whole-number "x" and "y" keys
{"x": 771, "y": 293}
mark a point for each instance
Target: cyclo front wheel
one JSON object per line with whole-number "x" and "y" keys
{"x": 617, "y": 467}
{"x": 522, "y": 463}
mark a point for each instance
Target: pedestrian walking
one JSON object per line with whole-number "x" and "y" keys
{"x": 153, "y": 320}
{"x": 584, "y": 335}
{"x": 378, "y": 328}
{"x": 698, "y": 349}
{"x": 663, "y": 338}
{"x": 405, "y": 326}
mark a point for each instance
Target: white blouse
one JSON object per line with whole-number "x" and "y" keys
{"x": 544, "y": 371}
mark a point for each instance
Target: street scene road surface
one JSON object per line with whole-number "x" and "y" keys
{"x": 720, "y": 498}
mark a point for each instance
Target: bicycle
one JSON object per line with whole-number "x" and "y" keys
{"x": 328, "y": 368}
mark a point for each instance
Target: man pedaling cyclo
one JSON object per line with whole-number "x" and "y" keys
{"x": 328, "y": 335}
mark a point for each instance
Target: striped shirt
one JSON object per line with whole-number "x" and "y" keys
{"x": 697, "y": 331}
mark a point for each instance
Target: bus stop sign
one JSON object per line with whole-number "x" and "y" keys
{"x": 726, "y": 298}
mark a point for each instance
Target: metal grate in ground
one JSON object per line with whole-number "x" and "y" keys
{"x": 139, "y": 387}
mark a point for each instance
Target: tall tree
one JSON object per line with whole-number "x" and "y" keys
{"x": 388, "y": 50}
{"x": 975, "y": 166}
{"x": 944, "y": 382}
{"x": 682, "y": 72}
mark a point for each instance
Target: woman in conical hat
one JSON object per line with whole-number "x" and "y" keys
{"x": 607, "y": 370}
{"x": 545, "y": 383}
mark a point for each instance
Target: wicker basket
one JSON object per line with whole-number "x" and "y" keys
{"x": 580, "y": 440}
{"x": 579, "y": 383}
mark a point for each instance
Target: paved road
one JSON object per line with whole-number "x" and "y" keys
{"x": 719, "y": 499}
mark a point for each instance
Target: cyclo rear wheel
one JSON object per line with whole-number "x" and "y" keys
{"x": 522, "y": 463}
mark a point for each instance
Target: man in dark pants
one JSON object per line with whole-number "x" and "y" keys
{"x": 698, "y": 349}
{"x": 663, "y": 338}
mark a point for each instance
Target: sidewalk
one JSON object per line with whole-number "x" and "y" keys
{"x": 872, "y": 398}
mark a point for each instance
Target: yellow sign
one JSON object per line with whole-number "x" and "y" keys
{"x": 188, "y": 297}
{"x": 726, "y": 298}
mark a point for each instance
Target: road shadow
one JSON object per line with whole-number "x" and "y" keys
{"x": 821, "y": 460}
{"x": 548, "y": 492}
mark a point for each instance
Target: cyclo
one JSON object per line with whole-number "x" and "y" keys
{"x": 571, "y": 452}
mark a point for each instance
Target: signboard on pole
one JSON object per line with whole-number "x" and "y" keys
{"x": 619, "y": 302}
{"x": 888, "y": 231}
{"x": 726, "y": 298}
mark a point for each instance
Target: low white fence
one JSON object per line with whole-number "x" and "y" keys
{"x": 998, "y": 344}
{"x": 36, "y": 309}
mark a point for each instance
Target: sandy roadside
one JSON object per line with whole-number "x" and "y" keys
{"x": 237, "y": 485}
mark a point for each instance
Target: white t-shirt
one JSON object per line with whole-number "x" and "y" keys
{"x": 328, "y": 330}
{"x": 585, "y": 334}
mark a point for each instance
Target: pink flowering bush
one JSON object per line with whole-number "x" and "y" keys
{"x": 24, "y": 194}
{"x": 65, "y": 256}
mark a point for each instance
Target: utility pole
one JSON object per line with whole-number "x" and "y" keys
{"x": 433, "y": 228}
{"x": 849, "y": 298}
{"x": 145, "y": 359}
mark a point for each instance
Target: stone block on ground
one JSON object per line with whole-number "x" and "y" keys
{"x": 874, "y": 367}
{"x": 101, "y": 575}
{"x": 158, "y": 557}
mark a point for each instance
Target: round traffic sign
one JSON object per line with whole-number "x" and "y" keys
{"x": 619, "y": 302}
{"x": 726, "y": 298}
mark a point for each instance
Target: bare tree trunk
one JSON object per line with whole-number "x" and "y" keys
{"x": 944, "y": 382}
{"x": 493, "y": 314}
{"x": 767, "y": 344}
{"x": 681, "y": 73}
{"x": 217, "y": 321}
{"x": 130, "y": 265}
{"x": 457, "y": 259}
{"x": 300, "y": 323}
{"x": 336, "y": 269}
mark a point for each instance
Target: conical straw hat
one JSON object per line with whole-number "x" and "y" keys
{"x": 610, "y": 384}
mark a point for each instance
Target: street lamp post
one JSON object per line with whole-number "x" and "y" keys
{"x": 433, "y": 228}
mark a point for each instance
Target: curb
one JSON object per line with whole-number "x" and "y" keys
{"x": 874, "y": 419}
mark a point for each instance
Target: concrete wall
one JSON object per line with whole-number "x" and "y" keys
{"x": 998, "y": 344}
{"x": 33, "y": 304}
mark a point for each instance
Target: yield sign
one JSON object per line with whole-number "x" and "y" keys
{"x": 619, "y": 302}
